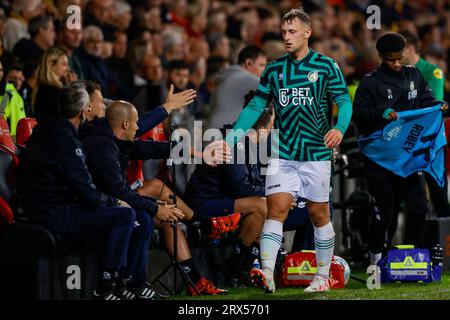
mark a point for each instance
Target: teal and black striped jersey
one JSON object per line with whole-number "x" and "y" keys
{"x": 302, "y": 92}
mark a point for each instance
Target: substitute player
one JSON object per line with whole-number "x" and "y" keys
{"x": 303, "y": 84}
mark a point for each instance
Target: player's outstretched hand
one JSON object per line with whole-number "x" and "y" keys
{"x": 217, "y": 152}
{"x": 333, "y": 138}
{"x": 178, "y": 100}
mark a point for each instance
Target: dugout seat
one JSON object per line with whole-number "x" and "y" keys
{"x": 23, "y": 132}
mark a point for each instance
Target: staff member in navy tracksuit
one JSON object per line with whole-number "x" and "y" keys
{"x": 57, "y": 191}
{"x": 381, "y": 94}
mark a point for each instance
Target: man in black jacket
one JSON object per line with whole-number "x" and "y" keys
{"x": 57, "y": 190}
{"x": 391, "y": 88}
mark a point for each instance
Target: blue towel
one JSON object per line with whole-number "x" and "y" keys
{"x": 415, "y": 142}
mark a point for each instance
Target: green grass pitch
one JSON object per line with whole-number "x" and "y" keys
{"x": 354, "y": 290}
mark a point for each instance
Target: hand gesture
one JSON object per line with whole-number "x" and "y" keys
{"x": 178, "y": 100}
{"x": 392, "y": 116}
{"x": 333, "y": 138}
{"x": 217, "y": 152}
{"x": 169, "y": 213}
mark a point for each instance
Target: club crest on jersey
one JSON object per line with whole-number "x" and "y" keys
{"x": 412, "y": 94}
{"x": 313, "y": 76}
{"x": 283, "y": 97}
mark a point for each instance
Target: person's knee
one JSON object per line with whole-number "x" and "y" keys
{"x": 319, "y": 214}
{"x": 278, "y": 210}
{"x": 154, "y": 186}
{"x": 144, "y": 219}
{"x": 261, "y": 208}
{"x": 124, "y": 215}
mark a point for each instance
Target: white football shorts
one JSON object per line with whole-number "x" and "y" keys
{"x": 307, "y": 179}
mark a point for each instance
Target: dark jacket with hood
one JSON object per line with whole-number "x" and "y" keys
{"x": 384, "y": 89}
{"x": 225, "y": 181}
{"x": 108, "y": 158}
{"x": 53, "y": 176}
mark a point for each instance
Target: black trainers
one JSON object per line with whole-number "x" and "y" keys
{"x": 145, "y": 292}
{"x": 105, "y": 295}
{"x": 125, "y": 294}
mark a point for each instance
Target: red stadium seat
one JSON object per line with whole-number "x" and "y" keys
{"x": 6, "y": 141}
{"x": 24, "y": 129}
{"x": 6, "y": 214}
{"x": 134, "y": 171}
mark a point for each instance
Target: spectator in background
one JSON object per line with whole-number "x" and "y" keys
{"x": 272, "y": 45}
{"x": 62, "y": 6}
{"x": 431, "y": 73}
{"x": 16, "y": 26}
{"x": 233, "y": 84}
{"x": 214, "y": 66}
{"x": 120, "y": 69}
{"x": 173, "y": 45}
{"x": 154, "y": 91}
{"x": 179, "y": 74}
{"x": 217, "y": 22}
{"x": 90, "y": 55}
{"x": 11, "y": 103}
{"x": 70, "y": 40}
{"x": 29, "y": 51}
{"x": 121, "y": 15}
{"x": 100, "y": 14}
{"x": 51, "y": 76}
{"x": 14, "y": 75}
{"x": 219, "y": 45}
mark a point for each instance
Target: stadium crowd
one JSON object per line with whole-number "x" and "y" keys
{"x": 138, "y": 63}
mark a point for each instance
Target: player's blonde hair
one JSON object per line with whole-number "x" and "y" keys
{"x": 300, "y": 14}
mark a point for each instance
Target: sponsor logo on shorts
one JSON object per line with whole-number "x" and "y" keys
{"x": 274, "y": 186}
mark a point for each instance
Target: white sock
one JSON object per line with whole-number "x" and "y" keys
{"x": 271, "y": 238}
{"x": 374, "y": 257}
{"x": 324, "y": 243}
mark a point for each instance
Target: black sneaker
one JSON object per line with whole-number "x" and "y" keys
{"x": 105, "y": 295}
{"x": 125, "y": 294}
{"x": 145, "y": 292}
